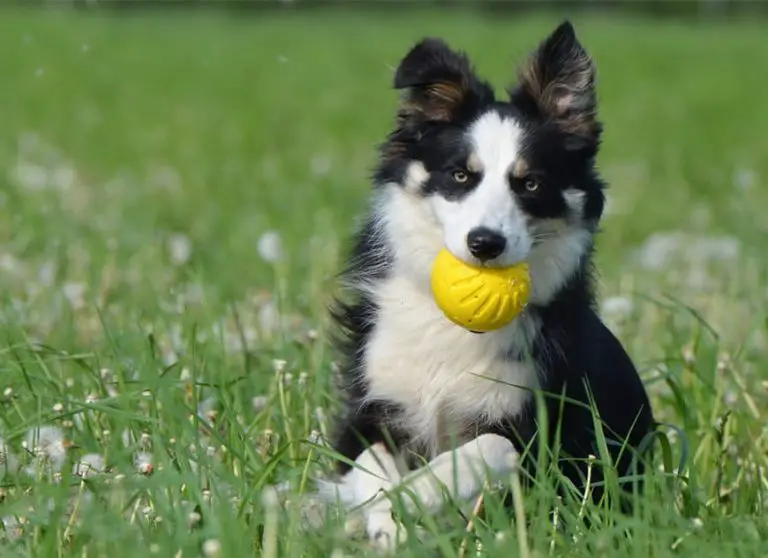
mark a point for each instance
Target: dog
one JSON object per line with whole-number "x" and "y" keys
{"x": 496, "y": 182}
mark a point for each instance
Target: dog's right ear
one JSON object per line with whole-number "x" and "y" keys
{"x": 438, "y": 82}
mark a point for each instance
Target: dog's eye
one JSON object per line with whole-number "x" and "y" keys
{"x": 460, "y": 176}
{"x": 531, "y": 184}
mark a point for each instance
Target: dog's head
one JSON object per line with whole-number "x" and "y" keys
{"x": 496, "y": 181}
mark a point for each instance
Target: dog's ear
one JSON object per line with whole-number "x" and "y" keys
{"x": 558, "y": 82}
{"x": 438, "y": 82}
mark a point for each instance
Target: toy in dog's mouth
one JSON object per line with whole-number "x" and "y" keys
{"x": 479, "y": 299}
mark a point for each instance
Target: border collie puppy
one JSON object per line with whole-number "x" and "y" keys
{"x": 496, "y": 182}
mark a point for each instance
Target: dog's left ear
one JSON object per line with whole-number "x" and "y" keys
{"x": 558, "y": 82}
{"x": 439, "y": 83}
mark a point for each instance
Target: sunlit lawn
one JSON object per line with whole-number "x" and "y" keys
{"x": 174, "y": 199}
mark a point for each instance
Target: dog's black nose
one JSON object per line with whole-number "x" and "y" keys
{"x": 484, "y": 244}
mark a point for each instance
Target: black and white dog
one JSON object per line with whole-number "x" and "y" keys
{"x": 496, "y": 182}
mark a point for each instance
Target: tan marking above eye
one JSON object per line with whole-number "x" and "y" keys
{"x": 474, "y": 164}
{"x": 520, "y": 168}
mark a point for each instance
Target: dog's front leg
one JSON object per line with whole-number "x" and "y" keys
{"x": 364, "y": 487}
{"x": 460, "y": 473}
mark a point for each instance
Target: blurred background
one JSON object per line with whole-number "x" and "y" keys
{"x": 164, "y": 139}
{"x": 178, "y": 180}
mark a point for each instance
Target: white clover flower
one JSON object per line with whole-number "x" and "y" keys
{"x": 167, "y": 178}
{"x": 63, "y": 177}
{"x": 278, "y": 365}
{"x": 269, "y": 317}
{"x": 714, "y": 248}
{"x": 30, "y": 176}
{"x": 745, "y": 179}
{"x": 617, "y": 307}
{"x": 193, "y": 519}
{"x": 320, "y": 165}
{"x": 303, "y": 379}
{"x": 270, "y": 247}
{"x": 661, "y": 249}
{"x": 212, "y": 547}
{"x": 74, "y": 293}
{"x": 180, "y": 249}
{"x": 259, "y": 403}
{"x": 658, "y": 248}
{"x": 46, "y": 275}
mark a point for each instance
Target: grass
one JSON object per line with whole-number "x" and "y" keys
{"x": 143, "y": 159}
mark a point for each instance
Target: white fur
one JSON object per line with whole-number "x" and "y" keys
{"x": 365, "y": 486}
{"x": 554, "y": 260}
{"x": 409, "y": 227}
{"x": 496, "y": 143}
{"x": 415, "y": 177}
{"x": 575, "y": 200}
{"x": 460, "y": 473}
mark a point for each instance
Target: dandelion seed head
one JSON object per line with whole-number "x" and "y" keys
{"x": 49, "y": 442}
{"x": 180, "y": 249}
{"x": 143, "y": 463}
{"x": 270, "y": 247}
{"x": 89, "y": 464}
{"x": 259, "y": 403}
{"x": 212, "y": 548}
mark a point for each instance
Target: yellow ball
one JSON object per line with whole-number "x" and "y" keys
{"x": 479, "y": 298}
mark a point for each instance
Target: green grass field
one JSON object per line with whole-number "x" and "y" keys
{"x": 145, "y": 161}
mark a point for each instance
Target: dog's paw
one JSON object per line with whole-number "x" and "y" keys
{"x": 332, "y": 491}
{"x": 423, "y": 492}
{"x": 384, "y": 532}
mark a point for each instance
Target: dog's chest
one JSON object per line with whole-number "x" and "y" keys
{"x": 447, "y": 380}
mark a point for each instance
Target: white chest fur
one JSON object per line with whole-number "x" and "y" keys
{"x": 445, "y": 378}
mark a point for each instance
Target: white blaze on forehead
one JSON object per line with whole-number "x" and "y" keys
{"x": 496, "y": 142}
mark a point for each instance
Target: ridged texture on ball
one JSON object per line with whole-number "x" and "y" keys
{"x": 479, "y": 298}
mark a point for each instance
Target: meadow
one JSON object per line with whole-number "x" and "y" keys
{"x": 175, "y": 196}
